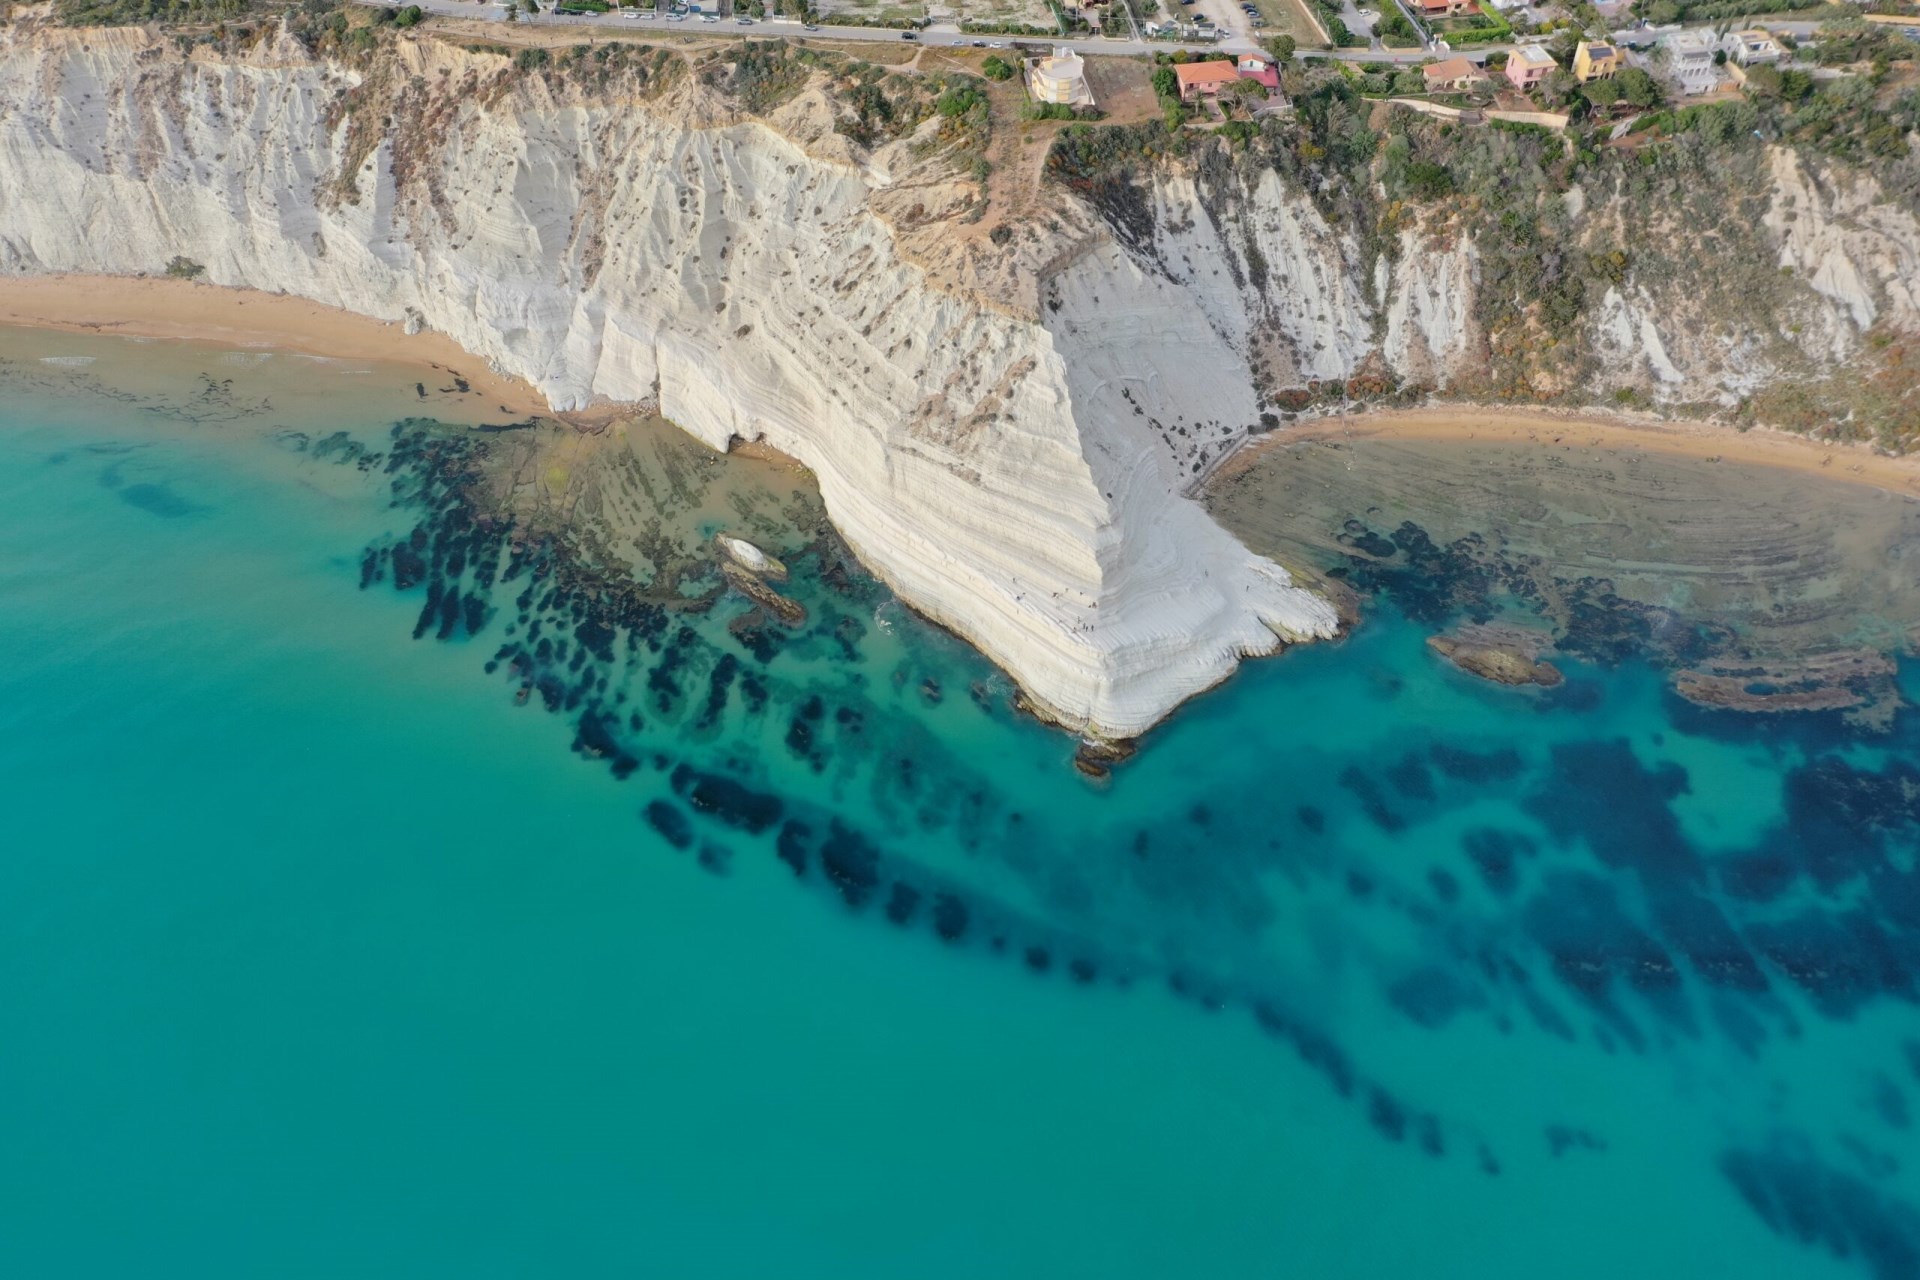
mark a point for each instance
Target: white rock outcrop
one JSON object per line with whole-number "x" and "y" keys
{"x": 1018, "y": 481}
{"x": 1851, "y": 246}
{"x": 1004, "y": 431}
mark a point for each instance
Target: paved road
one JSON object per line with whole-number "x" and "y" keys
{"x": 936, "y": 36}
{"x": 939, "y": 36}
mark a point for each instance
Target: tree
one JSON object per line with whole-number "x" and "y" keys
{"x": 1601, "y": 93}
{"x": 1763, "y": 82}
{"x": 996, "y": 68}
{"x": 1637, "y": 88}
{"x": 1166, "y": 84}
{"x": 1281, "y": 47}
{"x": 408, "y": 17}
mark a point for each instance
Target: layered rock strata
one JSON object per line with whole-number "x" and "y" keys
{"x": 753, "y": 278}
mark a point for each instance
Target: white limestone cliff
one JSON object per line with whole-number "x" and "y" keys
{"x": 1852, "y": 247}
{"x": 1005, "y": 430}
{"x": 992, "y": 468}
{"x": 1295, "y": 299}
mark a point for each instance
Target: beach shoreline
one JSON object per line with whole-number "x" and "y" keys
{"x": 1587, "y": 429}
{"x": 190, "y": 311}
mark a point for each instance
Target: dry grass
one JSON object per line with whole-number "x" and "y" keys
{"x": 1290, "y": 18}
{"x": 878, "y": 52}
{"x": 1123, "y": 88}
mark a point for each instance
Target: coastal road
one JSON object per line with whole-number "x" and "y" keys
{"x": 936, "y": 36}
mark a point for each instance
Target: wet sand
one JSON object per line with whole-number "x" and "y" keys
{"x": 1855, "y": 464}
{"x": 630, "y": 492}
{"x": 182, "y": 310}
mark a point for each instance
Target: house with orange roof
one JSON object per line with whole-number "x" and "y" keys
{"x": 1453, "y": 75}
{"x": 1204, "y": 79}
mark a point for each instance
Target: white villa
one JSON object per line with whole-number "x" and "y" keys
{"x": 1060, "y": 79}
{"x": 1753, "y": 48}
{"x": 1690, "y": 65}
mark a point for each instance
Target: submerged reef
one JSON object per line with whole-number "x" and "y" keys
{"x": 1553, "y": 885}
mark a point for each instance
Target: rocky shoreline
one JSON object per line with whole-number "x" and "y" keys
{"x": 998, "y": 479}
{"x": 1757, "y": 588}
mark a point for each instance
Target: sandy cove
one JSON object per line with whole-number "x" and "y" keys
{"x": 158, "y": 307}
{"x": 1855, "y": 464}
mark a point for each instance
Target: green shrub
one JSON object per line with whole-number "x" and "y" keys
{"x": 1428, "y": 181}
{"x": 185, "y": 268}
{"x": 958, "y": 100}
{"x": 996, "y": 68}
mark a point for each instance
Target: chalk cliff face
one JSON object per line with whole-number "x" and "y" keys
{"x": 1016, "y": 480}
{"x": 1802, "y": 261}
{"x": 1006, "y": 429}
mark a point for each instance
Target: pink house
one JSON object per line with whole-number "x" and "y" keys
{"x": 1528, "y": 65}
{"x": 1255, "y": 66}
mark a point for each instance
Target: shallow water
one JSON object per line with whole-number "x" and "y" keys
{"x": 329, "y": 954}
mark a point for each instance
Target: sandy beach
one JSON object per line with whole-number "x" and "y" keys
{"x": 1855, "y": 464}
{"x": 157, "y": 307}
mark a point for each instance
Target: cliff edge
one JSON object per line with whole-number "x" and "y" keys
{"x": 634, "y": 233}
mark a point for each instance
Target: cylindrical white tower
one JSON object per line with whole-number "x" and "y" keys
{"x": 1061, "y": 78}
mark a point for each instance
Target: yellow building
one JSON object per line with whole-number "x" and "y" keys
{"x": 1595, "y": 61}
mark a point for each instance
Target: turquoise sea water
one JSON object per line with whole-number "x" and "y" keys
{"x": 323, "y": 953}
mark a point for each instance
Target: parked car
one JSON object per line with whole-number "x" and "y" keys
{"x": 808, "y": 26}
{"x": 744, "y": 21}
{"x": 908, "y": 35}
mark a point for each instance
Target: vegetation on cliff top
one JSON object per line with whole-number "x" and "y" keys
{"x": 1693, "y": 239}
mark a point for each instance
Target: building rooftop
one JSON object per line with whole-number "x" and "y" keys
{"x": 1452, "y": 69}
{"x": 1693, "y": 40}
{"x": 1063, "y": 63}
{"x": 1205, "y": 73}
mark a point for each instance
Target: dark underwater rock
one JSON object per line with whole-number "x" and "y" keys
{"x": 1496, "y": 655}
